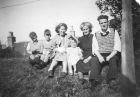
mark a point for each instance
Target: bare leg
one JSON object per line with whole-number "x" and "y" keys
{"x": 64, "y": 63}
{"x": 42, "y": 57}
{"x": 70, "y": 68}
{"x": 74, "y": 67}
{"x": 53, "y": 64}
{"x": 46, "y": 59}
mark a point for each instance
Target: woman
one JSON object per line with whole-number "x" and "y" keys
{"x": 85, "y": 43}
{"x": 60, "y": 43}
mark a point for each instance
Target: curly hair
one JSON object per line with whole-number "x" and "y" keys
{"x": 88, "y": 24}
{"x": 102, "y": 17}
{"x": 59, "y": 25}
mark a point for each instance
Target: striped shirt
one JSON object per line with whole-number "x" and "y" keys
{"x": 106, "y": 43}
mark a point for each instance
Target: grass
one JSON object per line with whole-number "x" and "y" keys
{"x": 19, "y": 79}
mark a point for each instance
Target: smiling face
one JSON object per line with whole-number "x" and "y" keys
{"x": 103, "y": 24}
{"x": 47, "y": 37}
{"x": 34, "y": 38}
{"x": 86, "y": 30}
{"x": 62, "y": 31}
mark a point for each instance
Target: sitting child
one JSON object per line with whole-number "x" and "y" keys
{"x": 74, "y": 54}
{"x": 34, "y": 48}
{"x": 47, "y": 49}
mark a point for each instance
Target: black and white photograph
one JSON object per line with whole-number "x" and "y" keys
{"x": 69, "y": 48}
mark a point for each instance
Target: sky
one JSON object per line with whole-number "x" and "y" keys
{"x": 138, "y": 1}
{"x": 24, "y": 16}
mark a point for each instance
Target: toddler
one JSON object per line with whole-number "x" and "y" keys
{"x": 74, "y": 54}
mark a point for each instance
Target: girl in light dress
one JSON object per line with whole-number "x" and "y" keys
{"x": 74, "y": 54}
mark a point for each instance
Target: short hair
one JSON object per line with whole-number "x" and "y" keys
{"x": 59, "y": 25}
{"x": 102, "y": 17}
{"x": 47, "y": 32}
{"x": 88, "y": 24}
{"x": 32, "y": 34}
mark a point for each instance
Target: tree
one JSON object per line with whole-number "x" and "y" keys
{"x": 115, "y": 6}
{"x": 128, "y": 81}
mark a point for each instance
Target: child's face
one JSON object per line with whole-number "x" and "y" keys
{"x": 73, "y": 44}
{"x": 34, "y": 38}
{"x": 62, "y": 30}
{"x": 47, "y": 37}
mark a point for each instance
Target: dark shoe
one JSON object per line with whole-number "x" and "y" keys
{"x": 94, "y": 84}
{"x": 37, "y": 66}
{"x": 113, "y": 84}
{"x": 50, "y": 74}
{"x": 63, "y": 74}
{"x": 82, "y": 81}
{"x": 42, "y": 65}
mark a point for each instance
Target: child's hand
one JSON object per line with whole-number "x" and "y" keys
{"x": 46, "y": 52}
{"x": 85, "y": 60}
{"x": 60, "y": 49}
{"x": 35, "y": 52}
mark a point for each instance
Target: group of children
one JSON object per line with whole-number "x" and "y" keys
{"x": 63, "y": 48}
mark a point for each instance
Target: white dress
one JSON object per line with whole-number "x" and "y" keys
{"x": 73, "y": 55}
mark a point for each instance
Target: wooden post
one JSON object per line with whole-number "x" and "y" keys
{"x": 128, "y": 80}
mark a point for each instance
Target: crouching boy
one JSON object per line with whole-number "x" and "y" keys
{"x": 34, "y": 48}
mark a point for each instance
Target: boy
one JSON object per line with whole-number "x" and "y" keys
{"x": 34, "y": 48}
{"x": 48, "y": 52}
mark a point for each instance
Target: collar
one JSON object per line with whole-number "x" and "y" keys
{"x": 105, "y": 33}
{"x": 87, "y": 35}
{"x": 35, "y": 41}
{"x": 47, "y": 40}
{"x": 108, "y": 30}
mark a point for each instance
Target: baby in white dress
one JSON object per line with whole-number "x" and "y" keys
{"x": 74, "y": 54}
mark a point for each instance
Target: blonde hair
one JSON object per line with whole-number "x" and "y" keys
{"x": 88, "y": 24}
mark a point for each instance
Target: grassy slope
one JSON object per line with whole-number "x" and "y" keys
{"x": 19, "y": 79}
